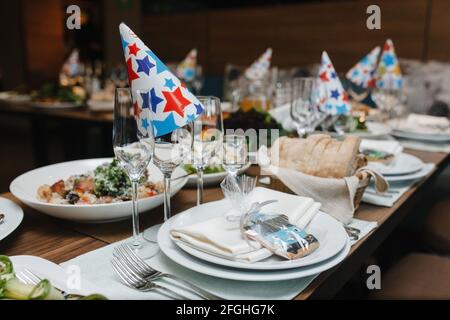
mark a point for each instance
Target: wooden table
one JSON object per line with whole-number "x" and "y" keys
{"x": 59, "y": 240}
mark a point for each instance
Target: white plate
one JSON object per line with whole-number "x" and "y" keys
{"x": 421, "y": 136}
{"x": 330, "y": 233}
{"x": 25, "y": 188}
{"x": 13, "y": 217}
{"x": 426, "y": 169}
{"x": 55, "y": 105}
{"x": 58, "y": 276}
{"x": 212, "y": 179}
{"x": 172, "y": 251}
{"x": 374, "y": 130}
{"x": 402, "y": 164}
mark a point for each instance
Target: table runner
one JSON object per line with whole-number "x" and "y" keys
{"x": 95, "y": 266}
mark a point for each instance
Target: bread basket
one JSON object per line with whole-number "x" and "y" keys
{"x": 363, "y": 177}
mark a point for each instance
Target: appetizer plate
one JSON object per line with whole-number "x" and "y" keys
{"x": 429, "y": 137}
{"x": 172, "y": 251}
{"x": 13, "y": 217}
{"x": 212, "y": 179}
{"x": 402, "y": 164}
{"x": 55, "y": 105}
{"x": 374, "y": 130}
{"x": 58, "y": 276}
{"x": 25, "y": 188}
{"x": 427, "y": 168}
{"x": 330, "y": 233}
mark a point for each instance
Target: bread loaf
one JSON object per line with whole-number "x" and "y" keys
{"x": 319, "y": 155}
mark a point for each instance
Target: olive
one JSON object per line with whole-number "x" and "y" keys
{"x": 72, "y": 197}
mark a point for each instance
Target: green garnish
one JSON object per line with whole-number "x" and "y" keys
{"x": 190, "y": 169}
{"x": 111, "y": 180}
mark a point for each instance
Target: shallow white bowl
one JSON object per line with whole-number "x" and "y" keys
{"x": 25, "y": 188}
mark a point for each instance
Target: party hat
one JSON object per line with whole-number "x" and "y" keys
{"x": 259, "y": 68}
{"x": 388, "y": 74}
{"x": 363, "y": 73}
{"x": 186, "y": 69}
{"x": 164, "y": 103}
{"x": 334, "y": 99}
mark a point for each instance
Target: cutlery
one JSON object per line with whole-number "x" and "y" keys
{"x": 133, "y": 280}
{"x": 127, "y": 254}
{"x": 380, "y": 194}
{"x": 28, "y": 277}
{"x": 353, "y": 233}
{"x": 2, "y": 218}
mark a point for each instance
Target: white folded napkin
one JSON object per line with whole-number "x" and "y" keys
{"x": 221, "y": 237}
{"x": 420, "y": 123}
{"x": 389, "y": 146}
{"x": 396, "y": 190}
{"x": 428, "y": 121}
{"x": 282, "y": 115}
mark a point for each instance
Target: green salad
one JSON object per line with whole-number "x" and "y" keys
{"x": 190, "y": 169}
{"x": 13, "y": 289}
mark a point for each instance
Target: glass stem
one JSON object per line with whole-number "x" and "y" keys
{"x": 135, "y": 215}
{"x": 167, "y": 210}
{"x": 199, "y": 186}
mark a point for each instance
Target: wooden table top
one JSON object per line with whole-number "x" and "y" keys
{"x": 82, "y": 113}
{"x": 59, "y": 240}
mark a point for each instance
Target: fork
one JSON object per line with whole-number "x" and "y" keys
{"x": 139, "y": 266}
{"x": 133, "y": 280}
{"x": 26, "y": 276}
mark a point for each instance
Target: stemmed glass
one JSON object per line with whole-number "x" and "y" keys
{"x": 207, "y": 131}
{"x": 170, "y": 152}
{"x": 235, "y": 154}
{"x": 303, "y": 104}
{"x": 134, "y": 150}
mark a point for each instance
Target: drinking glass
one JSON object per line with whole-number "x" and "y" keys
{"x": 303, "y": 105}
{"x": 234, "y": 153}
{"x": 134, "y": 150}
{"x": 170, "y": 151}
{"x": 207, "y": 131}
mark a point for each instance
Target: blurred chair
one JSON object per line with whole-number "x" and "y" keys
{"x": 417, "y": 276}
{"x": 437, "y": 227}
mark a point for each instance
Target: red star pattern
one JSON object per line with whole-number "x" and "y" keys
{"x": 345, "y": 96}
{"x": 387, "y": 47}
{"x": 136, "y": 109}
{"x": 175, "y": 101}
{"x": 131, "y": 74}
{"x": 371, "y": 83}
{"x": 133, "y": 49}
{"x": 323, "y": 76}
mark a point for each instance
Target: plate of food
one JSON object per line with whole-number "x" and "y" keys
{"x": 19, "y": 274}
{"x": 212, "y": 175}
{"x": 422, "y": 127}
{"x": 93, "y": 190}
{"x": 11, "y": 215}
{"x": 51, "y": 96}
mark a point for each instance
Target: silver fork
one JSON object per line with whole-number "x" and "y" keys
{"x": 133, "y": 280}
{"x": 124, "y": 252}
{"x": 28, "y": 277}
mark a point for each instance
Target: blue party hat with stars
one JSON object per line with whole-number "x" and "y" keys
{"x": 163, "y": 103}
{"x": 363, "y": 73}
{"x": 333, "y": 98}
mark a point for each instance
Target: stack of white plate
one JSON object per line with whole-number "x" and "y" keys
{"x": 404, "y": 167}
{"x": 334, "y": 247}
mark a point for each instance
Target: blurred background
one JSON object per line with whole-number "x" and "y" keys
{"x": 226, "y": 34}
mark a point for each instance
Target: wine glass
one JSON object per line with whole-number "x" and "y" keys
{"x": 207, "y": 131}
{"x": 170, "y": 151}
{"x": 234, "y": 153}
{"x": 133, "y": 147}
{"x": 303, "y": 104}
